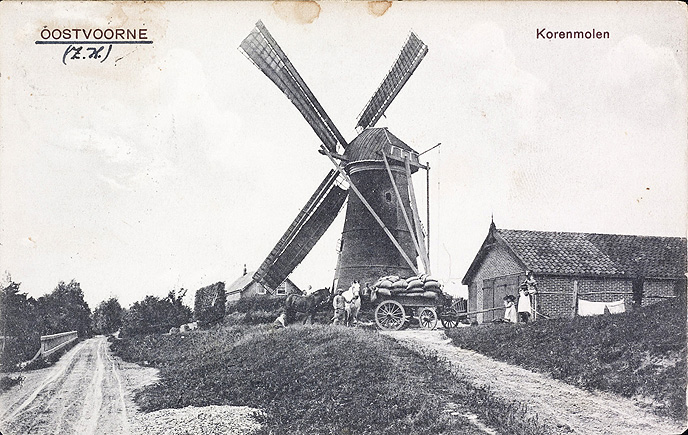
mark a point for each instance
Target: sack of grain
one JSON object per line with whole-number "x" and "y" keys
{"x": 384, "y": 283}
{"x": 430, "y": 294}
{"x": 401, "y": 283}
{"x": 431, "y": 284}
{"x": 383, "y": 292}
{"x": 415, "y": 284}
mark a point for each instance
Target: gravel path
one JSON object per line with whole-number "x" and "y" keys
{"x": 89, "y": 391}
{"x": 556, "y": 403}
{"x": 235, "y": 420}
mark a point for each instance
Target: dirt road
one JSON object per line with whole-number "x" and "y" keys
{"x": 88, "y": 391}
{"x": 556, "y": 403}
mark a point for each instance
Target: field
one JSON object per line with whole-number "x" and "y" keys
{"x": 318, "y": 379}
{"x": 639, "y": 354}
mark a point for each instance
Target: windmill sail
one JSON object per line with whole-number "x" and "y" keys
{"x": 308, "y": 227}
{"x": 260, "y": 47}
{"x": 410, "y": 57}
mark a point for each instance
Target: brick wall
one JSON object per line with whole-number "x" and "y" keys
{"x": 653, "y": 290}
{"x": 561, "y": 304}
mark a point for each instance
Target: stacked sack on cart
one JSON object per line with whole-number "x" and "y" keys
{"x": 419, "y": 286}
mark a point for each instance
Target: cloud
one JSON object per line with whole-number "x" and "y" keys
{"x": 639, "y": 81}
{"x": 112, "y": 148}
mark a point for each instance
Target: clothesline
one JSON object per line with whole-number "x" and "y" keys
{"x": 589, "y": 308}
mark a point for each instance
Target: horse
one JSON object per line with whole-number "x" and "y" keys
{"x": 308, "y": 304}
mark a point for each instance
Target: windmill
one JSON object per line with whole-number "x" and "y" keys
{"x": 382, "y": 232}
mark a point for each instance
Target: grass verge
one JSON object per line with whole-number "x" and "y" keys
{"x": 318, "y": 379}
{"x": 639, "y": 354}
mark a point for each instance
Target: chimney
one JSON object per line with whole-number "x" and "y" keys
{"x": 244, "y": 269}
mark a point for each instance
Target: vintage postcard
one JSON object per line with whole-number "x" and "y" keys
{"x": 478, "y": 210}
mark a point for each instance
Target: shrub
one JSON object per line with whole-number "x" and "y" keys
{"x": 209, "y": 304}
{"x": 265, "y": 303}
{"x": 7, "y": 382}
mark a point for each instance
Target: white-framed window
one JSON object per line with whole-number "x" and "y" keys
{"x": 281, "y": 289}
{"x": 261, "y": 289}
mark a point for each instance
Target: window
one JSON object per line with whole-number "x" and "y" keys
{"x": 281, "y": 289}
{"x": 388, "y": 196}
{"x": 260, "y": 290}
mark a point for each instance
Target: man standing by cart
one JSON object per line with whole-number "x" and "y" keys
{"x": 353, "y": 303}
{"x": 339, "y": 304}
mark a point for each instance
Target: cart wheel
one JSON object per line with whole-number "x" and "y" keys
{"x": 450, "y": 318}
{"x": 390, "y": 315}
{"x": 427, "y": 318}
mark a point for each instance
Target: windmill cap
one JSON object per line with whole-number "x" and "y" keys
{"x": 368, "y": 144}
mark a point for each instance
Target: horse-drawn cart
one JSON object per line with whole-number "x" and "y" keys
{"x": 397, "y": 308}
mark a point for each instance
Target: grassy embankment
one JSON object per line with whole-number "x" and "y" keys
{"x": 640, "y": 354}
{"x": 319, "y": 379}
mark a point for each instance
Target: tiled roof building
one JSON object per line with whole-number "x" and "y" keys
{"x": 601, "y": 267}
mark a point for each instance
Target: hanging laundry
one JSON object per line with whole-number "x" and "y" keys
{"x": 589, "y": 308}
{"x": 616, "y": 307}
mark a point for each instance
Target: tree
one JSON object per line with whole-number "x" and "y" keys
{"x": 21, "y": 337}
{"x": 156, "y": 315}
{"x": 65, "y": 310}
{"x": 107, "y": 317}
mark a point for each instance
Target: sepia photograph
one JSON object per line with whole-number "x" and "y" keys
{"x": 301, "y": 217}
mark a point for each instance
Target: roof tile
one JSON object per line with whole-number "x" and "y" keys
{"x": 598, "y": 254}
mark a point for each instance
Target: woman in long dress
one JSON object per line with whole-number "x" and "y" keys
{"x": 524, "y": 304}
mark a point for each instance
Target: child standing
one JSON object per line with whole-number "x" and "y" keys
{"x": 510, "y": 314}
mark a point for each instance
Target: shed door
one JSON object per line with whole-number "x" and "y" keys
{"x": 500, "y": 290}
{"x": 504, "y": 285}
{"x": 511, "y": 285}
{"x": 494, "y": 291}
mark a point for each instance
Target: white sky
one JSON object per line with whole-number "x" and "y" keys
{"x": 180, "y": 162}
